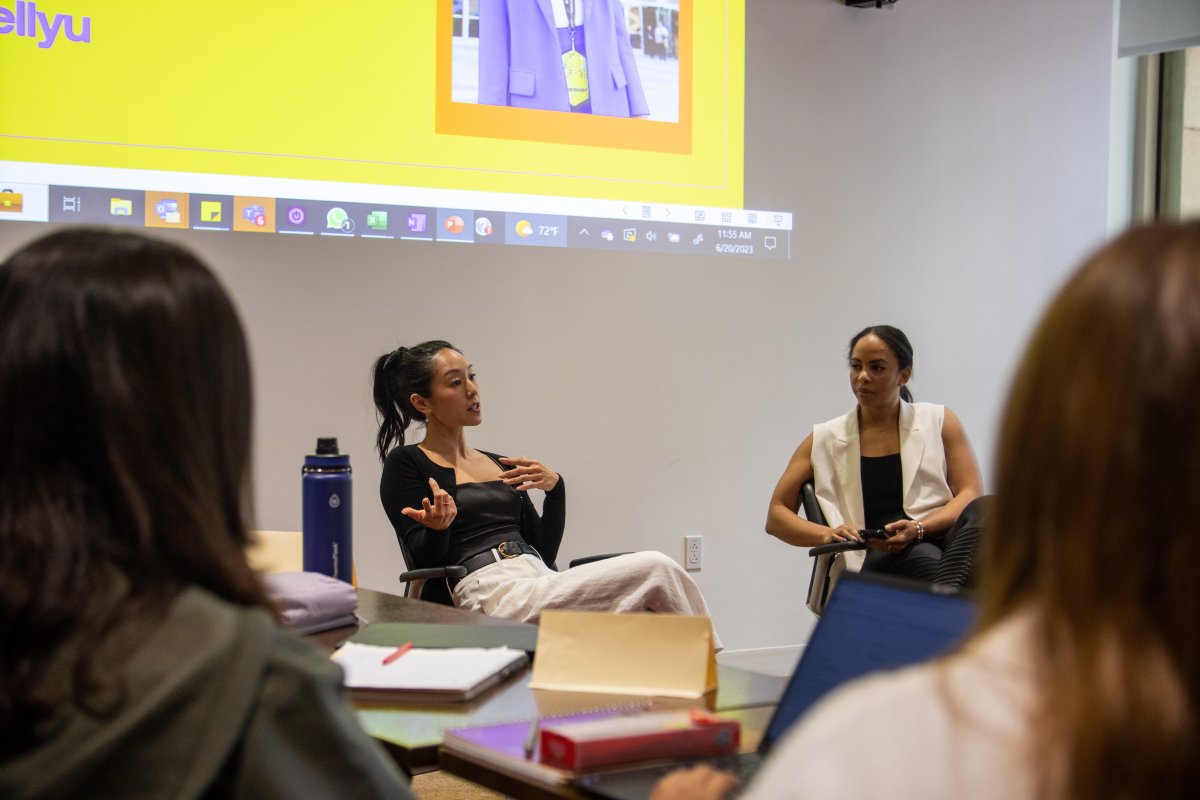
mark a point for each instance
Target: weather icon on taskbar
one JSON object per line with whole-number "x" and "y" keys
{"x": 524, "y": 229}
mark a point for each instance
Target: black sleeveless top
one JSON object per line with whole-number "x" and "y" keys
{"x": 488, "y": 513}
{"x": 882, "y": 490}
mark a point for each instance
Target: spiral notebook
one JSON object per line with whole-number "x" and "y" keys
{"x": 872, "y": 622}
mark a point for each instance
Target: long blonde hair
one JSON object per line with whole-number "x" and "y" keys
{"x": 1097, "y": 521}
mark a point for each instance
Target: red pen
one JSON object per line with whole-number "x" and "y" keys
{"x": 399, "y": 651}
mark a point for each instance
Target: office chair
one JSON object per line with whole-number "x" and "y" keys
{"x": 958, "y": 560}
{"x": 432, "y": 583}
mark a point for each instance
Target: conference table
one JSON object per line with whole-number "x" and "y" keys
{"x": 413, "y": 732}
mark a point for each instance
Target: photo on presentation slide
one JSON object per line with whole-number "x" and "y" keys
{"x": 617, "y": 58}
{"x": 614, "y": 74}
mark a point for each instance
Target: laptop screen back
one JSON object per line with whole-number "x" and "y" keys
{"x": 870, "y": 623}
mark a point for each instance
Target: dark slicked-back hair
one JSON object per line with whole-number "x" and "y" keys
{"x": 125, "y": 408}
{"x": 896, "y": 341}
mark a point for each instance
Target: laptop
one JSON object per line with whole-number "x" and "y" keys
{"x": 872, "y": 622}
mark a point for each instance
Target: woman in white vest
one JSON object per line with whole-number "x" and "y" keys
{"x": 888, "y": 465}
{"x": 1081, "y": 678}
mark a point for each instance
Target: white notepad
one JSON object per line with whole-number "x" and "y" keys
{"x": 451, "y": 673}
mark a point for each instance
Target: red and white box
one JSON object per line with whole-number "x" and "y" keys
{"x": 644, "y": 736}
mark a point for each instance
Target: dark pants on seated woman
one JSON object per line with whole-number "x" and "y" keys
{"x": 948, "y": 560}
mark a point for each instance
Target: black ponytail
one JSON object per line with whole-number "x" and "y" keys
{"x": 397, "y": 376}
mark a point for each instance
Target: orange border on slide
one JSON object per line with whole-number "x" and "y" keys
{"x": 562, "y": 127}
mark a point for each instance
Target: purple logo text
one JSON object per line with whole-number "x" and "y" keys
{"x": 27, "y": 21}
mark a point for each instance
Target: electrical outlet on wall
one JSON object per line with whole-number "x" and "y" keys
{"x": 692, "y": 551}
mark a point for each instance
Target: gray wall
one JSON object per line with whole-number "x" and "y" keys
{"x": 947, "y": 162}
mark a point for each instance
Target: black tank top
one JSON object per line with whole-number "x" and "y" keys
{"x": 488, "y": 513}
{"x": 882, "y": 489}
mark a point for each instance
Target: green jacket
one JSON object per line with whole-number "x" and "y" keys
{"x": 219, "y": 699}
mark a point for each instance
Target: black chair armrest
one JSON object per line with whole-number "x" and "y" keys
{"x": 433, "y": 573}
{"x": 836, "y": 547}
{"x": 429, "y": 583}
{"x": 575, "y": 562}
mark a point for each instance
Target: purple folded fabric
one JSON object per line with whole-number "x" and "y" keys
{"x": 310, "y": 602}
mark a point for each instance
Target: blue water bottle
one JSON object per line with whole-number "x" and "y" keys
{"x": 328, "y": 541}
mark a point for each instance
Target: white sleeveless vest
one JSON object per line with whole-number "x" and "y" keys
{"x": 837, "y": 469}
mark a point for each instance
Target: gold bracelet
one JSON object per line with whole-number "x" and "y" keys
{"x": 920, "y": 531}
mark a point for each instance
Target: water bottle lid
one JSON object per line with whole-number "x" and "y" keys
{"x": 327, "y": 458}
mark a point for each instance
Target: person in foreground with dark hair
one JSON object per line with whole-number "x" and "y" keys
{"x": 140, "y": 655}
{"x": 889, "y": 464}
{"x": 1081, "y": 680}
{"x": 453, "y": 504}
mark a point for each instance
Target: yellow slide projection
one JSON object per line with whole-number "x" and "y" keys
{"x": 365, "y": 92}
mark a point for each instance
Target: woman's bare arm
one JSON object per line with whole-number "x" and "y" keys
{"x": 782, "y": 520}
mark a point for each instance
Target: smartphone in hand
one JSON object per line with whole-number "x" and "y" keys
{"x": 874, "y": 533}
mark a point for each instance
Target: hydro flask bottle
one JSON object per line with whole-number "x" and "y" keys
{"x": 328, "y": 542}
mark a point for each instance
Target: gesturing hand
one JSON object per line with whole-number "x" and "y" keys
{"x": 437, "y": 515}
{"x": 528, "y": 473}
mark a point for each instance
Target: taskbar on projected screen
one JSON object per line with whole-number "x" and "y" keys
{"x": 731, "y": 233}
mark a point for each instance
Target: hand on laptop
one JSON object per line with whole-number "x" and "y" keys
{"x": 700, "y": 782}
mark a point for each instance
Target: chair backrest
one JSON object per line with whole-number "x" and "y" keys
{"x": 412, "y": 588}
{"x": 808, "y": 501}
{"x": 276, "y": 551}
{"x": 960, "y": 551}
{"x": 432, "y": 588}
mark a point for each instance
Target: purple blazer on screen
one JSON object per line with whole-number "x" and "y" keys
{"x": 520, "y": 60}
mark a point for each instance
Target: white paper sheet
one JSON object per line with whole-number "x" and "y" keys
{"x": 421, "y": 669}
